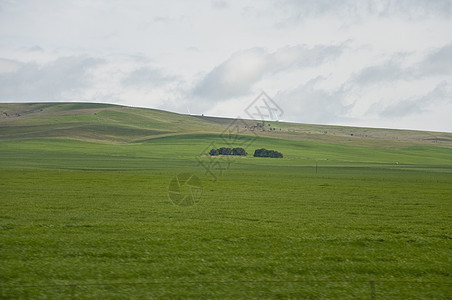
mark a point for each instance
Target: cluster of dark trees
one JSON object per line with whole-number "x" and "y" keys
{"x": 228, "y": 151}
{"x": 241, "y": 152}
{"x": 267, "y": 153}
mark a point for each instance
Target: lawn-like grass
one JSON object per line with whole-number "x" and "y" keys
{"x": 78, "y": 212}
{"x": 322, "y": 222}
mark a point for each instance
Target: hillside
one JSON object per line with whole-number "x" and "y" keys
{"x": 108, "y": 123}
{"x": 87, "y": 203}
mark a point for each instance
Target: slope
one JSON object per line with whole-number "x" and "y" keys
{"x": 108, "y": 123}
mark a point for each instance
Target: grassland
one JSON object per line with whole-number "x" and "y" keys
{"x": 84, "y": 201}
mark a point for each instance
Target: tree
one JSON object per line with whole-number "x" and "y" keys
{"x": 214, "y": 152}
{"x": 228, "y": 151}
{"x": 259, "y": 152}
{"x": 225, "y": 151}
{"x": 267, "y": 153}
{"x": 239, "y": 151}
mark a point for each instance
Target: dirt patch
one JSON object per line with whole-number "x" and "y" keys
{"x": 5, "y": 115}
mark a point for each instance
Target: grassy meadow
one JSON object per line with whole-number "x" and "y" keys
{"x": 84, "y": 201}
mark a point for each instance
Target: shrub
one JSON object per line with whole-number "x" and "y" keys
{"x": 225, "y": 151}
{"x": 239, "y": 151}
{"x": 228, "y": 151}
{"x": 214, "y": 152}
{"x": 267, "y": 153}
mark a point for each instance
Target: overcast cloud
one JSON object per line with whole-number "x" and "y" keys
{"x": 368, "y": 63}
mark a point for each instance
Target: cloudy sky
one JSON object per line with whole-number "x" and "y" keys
{"x": 367, "y": 63}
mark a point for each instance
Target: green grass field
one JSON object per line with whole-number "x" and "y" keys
{"x": 84, "y": 201}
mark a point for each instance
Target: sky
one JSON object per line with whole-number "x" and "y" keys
{"x": 357, "y": 63}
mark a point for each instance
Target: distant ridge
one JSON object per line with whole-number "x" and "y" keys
{"x": 108, "y": 123}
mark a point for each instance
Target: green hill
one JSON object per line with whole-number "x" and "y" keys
{"x": 85, "y": 208}
{"x": 108, "y": 123}
{"x": 91, "y": 122}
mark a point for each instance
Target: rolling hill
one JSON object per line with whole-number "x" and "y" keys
{"x": 85, "y": 210}
{"x": 108, "y": 123}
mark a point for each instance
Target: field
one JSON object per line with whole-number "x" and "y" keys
{"x": 85, "y": 212}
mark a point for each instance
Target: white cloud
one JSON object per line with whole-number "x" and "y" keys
{"x": 60, "y": 80}
{"x": 238, "y": 74}
{"x": 438, "y": 62}
{"x": 9, "y": 65}
{"x": 147, "y": 76}
{"x": 388, "y": 71}
{"x": 415, "y": 106}
{"x": 310, "y": 104}
{"x": 348, "y": 62}
{"x": 360, "y": 10}
{"x": 233, "y": 77}
{"x": 220, "y": 4}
